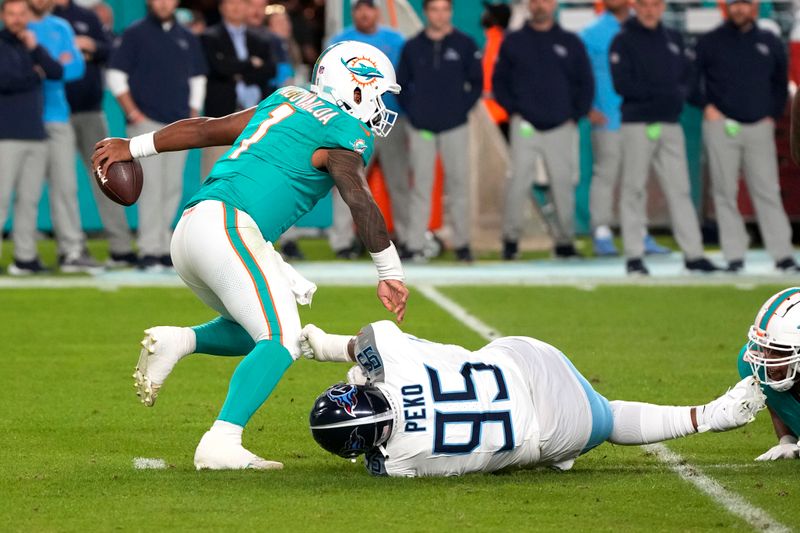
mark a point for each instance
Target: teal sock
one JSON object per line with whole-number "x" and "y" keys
{"x": 222, "y": 337}
{"x": 254, "y": 380}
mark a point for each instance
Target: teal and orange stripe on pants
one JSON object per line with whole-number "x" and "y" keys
{"x": 252, "y": 267}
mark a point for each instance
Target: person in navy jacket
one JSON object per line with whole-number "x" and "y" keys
{"x": 441, "y": 76}
{"x": 157, "y": 72}
{"x": 85, "y": 97}
{"x": 544, "y": 80}
{"x": 742, "y": 89}
{"x": 24, "y": 64}
{"x": 652, "y": 72}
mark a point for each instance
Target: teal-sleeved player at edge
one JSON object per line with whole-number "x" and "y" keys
{"x": 772, "y": 355}
{"x": 286, "y": 154}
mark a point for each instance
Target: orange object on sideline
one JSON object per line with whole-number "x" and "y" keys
{"x": 436, "y": 220}
{"x": 794, "y": 62}
{"x": 377, "y": 186}
{"x": 494, "y": 38}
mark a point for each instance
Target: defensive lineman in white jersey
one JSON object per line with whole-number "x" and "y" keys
{"x": 419, "y": 408}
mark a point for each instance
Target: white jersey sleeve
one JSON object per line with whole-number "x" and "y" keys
{"x": 456, "y": 411}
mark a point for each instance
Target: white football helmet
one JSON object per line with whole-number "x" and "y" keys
{"x": 774, "y": 340}
{"x": 353, "y": 76}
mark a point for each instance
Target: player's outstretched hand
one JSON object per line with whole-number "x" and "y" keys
{"x": 780, "y": 451}
{"x": 309, "y": 340}
{"x": 393, "y": 294}
{"x": 109, "y": 151}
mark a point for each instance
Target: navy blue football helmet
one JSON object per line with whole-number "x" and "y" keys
{"x": 349, "y": 420}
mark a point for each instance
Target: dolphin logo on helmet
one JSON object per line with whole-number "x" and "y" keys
{"x": 362, "y": 67}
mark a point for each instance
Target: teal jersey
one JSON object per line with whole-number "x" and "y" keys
{"x": 785, "y": 404}
{"x": 267, "y": 173}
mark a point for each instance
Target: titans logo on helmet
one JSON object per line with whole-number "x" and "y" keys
{"x": 345, "y": 397}
{"x": 355, "y": 442}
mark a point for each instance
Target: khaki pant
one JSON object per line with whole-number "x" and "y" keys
{"x": 161, "y": 195}
{"x": 453, "y": 146}
{"x": 667, "y": 157}
{"x": 91, "y": 127}
{"x": 22, "y": 168}
{"x": 62, "y": 181}
{"x": 751, "y": 149}
{"x": 556, "y": 148}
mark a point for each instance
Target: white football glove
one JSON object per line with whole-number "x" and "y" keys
{"x": 785, "y": 449}
{"x": 316, "y": 344}
{"x": 305, "y": 343}
{"x": 356, "y": 376}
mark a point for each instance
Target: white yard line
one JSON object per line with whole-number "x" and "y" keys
{"x": 732, "y": 502}
{"x": 735, "y": 504}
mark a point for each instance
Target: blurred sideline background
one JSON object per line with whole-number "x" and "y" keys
{"x": 489, "y": 152}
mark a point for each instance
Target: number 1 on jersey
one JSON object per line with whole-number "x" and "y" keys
{"x": 280, "y": 113}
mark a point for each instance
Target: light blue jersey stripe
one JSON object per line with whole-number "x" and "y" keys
{"x": 602, "y": 418}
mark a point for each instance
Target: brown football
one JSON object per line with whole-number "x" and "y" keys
{"x": 123, "y": 182}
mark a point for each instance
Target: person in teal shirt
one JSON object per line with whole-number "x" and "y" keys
{"x": 285, "y": 155}
{"x": 56, "y": 36}
{"x": 606, "y": 120}
{"x": 772, "y": 355}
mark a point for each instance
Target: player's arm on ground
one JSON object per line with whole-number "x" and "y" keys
{"x": 317, "y": 344}
{"x": 185, "y": 134}
{"x": 787, "y": 441}
{"x": 346, "y": 167}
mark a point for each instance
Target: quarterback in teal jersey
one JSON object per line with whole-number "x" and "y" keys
{"x": 772, "y": 355}
{"x": 286, "y": 154}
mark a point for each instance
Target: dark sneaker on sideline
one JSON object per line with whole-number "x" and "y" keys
{"x": 80, "y": 263}
{"x": 700, "y": 266}
{"x": 510, "y": 250}
{"x": 635, "y": 267}
{"x": 787, "y": 265}
{"x": 735, "y": 267}
{"x": 567, "y": 251}
{"x": 150, "y": 263}
{"x": 126, "y": 260}
{"x": 291, "y": 251}
{"x": 349, "y": 254}
{"x": 413, "y": 256}
{"x": 464, "y": 255}
{"x": 27, "y": 268}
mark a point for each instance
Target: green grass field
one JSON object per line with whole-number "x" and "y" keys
{"x": 71, "y": 423}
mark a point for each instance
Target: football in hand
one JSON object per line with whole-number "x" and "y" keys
{"x": 122, "y": 183}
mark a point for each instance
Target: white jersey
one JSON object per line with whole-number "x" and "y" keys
{"x": 458, "y": 411}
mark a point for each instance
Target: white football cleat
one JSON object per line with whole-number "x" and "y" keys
{"x": 733, "y": 409}
{"x": 218, "y": 451}
{"x": 162, "y": 348}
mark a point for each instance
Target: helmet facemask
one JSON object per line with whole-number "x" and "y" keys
{"x": 767, "y": 358}
{"x": 383, "y": 120}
